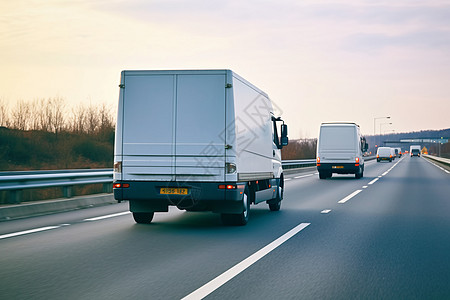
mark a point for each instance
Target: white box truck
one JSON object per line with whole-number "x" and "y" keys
{"x": 200, "y": 140}
{"x": 340, "y": 149}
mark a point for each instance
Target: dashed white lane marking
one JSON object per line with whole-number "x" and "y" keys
{"x": 350, "y": 196}
{"x": 27, "y": 231}
{"x": 287, "y": 179}
{"x": 373, "y": 181}
{"x": 220, "y": 280}
{"x": 325, "y": 211}
{"x": 365, "y": 187}
{"x": 108, "y": 216}
{"x": 384, "y": 174}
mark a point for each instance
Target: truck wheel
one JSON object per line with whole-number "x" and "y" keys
{"x": 143, "y": 218}
{"x": 275, "y": 204}
{"x": 241, "y": 218}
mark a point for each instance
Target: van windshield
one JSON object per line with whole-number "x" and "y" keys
{"x": 337, "y": 138}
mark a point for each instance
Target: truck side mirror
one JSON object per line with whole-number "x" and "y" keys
{"x": 284, "y": 137}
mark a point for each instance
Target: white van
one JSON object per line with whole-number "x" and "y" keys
{"x": 384, "y": 153}
{"x": 340, "y": 149}
{"x": 200, "y": 140}
{"x": 414, "y": 150}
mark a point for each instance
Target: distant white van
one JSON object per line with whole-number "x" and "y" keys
{"x": 384, "y": 153}
{"x": 340, "y": 149}
{"x": 414, "y": 150}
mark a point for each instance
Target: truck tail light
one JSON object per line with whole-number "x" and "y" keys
{"x": 227, "y": 186}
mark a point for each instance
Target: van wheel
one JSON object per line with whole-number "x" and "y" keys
{"x": 241, "y": 218}
{"x": 359, "y": 174}
{"x": 143, "y": 218}
{"x": 322, "y": 175}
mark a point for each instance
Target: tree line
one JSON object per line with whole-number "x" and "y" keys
{"x": 49, "y": 134}
{"x": 54, "y": 115}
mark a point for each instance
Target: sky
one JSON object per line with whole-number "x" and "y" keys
{"x": 318, "y": 60}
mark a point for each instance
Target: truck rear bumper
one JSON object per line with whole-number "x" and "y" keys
{"x": 148, "y": 196}
{"x": 339, "y": 168}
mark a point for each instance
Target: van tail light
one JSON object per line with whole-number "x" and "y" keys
{"x": 318, "y": 161}
{"x": 357, "y": 162}
{"x": 121, "y": 185}
{"x": 378, "y": 156}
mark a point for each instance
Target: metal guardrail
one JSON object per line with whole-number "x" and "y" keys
{"x": 445, "y": 161}
{"x": 300, "y": 163}
{"x": 16, "y": 182}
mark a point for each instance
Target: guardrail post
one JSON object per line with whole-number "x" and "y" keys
{"x": 67, "y": 191}
{"x": 15, "y": 196}
{"x": 107, "y": 187}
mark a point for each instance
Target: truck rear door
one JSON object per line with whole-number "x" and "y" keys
{"x": 200, "y": 127}
{"x": 173, "y": 126}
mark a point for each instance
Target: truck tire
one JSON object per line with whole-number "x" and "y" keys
{"x": 275, "y": 203}
{"x": 240, "y": 219}
{"x": 143, "y": 218}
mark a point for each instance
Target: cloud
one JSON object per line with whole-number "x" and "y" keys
{"x": 438, "y": 41}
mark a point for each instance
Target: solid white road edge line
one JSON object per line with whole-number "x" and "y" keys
{"x": 446, "y": 171}
{"x": 27, "y": 232}
{"x": 350, "y": 196}
{"x": 108, "y": 216}
{"x": 220, "y": 280}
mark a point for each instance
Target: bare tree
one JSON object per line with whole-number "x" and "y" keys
{"x": 21, "y": 115}
{"x": 92, "y": 119}
{"x": 56, "y": 114}
{"x": 4, "y": 113}
{"x": 78, "y": 119}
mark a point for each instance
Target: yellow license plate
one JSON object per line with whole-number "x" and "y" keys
{"x": 337, "y": 167}
{"x": 174, "y": 191}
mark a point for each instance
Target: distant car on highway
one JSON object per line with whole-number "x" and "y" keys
{"x": 384, "y": 153}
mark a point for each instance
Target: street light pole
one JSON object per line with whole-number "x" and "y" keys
{"x": 380, "y": 128}
{"x": 374, "y": 119}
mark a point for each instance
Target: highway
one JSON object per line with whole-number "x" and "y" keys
{"x": 385, "y": 236}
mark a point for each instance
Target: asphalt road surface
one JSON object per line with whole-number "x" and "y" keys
{"x": 385, "y": 236}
